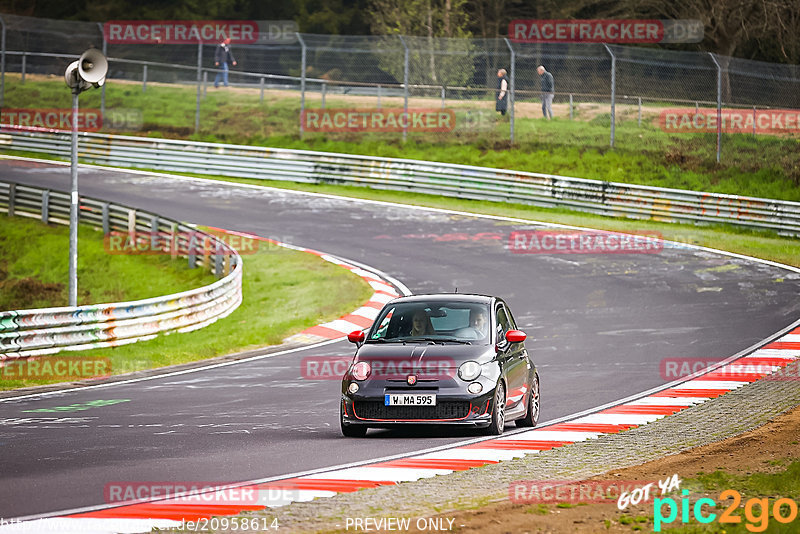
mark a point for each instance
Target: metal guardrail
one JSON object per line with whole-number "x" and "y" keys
{"x": 40, "y": 332}
{"x": 462, "y": 181}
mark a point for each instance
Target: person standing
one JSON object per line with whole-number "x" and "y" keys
{"x": 501, "y": 104}
{"x": 548, "y": 92}
{"x": 223, "y": 56}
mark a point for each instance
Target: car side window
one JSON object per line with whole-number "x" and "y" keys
{"x": 503, "y": 324}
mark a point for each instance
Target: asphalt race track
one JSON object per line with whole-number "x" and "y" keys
{"x": 599, "y": 326}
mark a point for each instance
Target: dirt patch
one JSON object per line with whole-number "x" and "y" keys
{"x": 758, "y": 451}
{"x": 22, "y": 293}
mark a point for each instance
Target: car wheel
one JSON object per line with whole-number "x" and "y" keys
{"x": 351, "y": 431}
{"x": 534, "y": 406}
{"x": 498, "y": 412}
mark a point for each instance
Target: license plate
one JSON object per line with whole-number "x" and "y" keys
{"x": 405, "y": 399}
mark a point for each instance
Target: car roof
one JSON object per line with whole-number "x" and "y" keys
{"x": 447, "y": 297}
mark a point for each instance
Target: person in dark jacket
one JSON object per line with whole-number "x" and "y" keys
{"x": 223, "y": 56}
{"x": 548, "y": 91}
{"x": 501, "y": 104}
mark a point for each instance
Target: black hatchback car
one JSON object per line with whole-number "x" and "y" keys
{"x": 445, "y": 359}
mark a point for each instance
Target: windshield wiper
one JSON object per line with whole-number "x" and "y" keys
{"x": 384, "y": 340}
{"x": 456, "y": 340}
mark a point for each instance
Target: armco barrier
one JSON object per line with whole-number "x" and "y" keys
{"x": 47, "y": 331}
{"x": 594, "y": 196}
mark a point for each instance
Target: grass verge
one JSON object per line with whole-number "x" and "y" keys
{"x": 762, "y": 166}
{"x": 285, "y": 292}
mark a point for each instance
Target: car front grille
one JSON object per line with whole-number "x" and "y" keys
{"x": 443, "y": 410}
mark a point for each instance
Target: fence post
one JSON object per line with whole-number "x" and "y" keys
{"x": 302, "y": 81}
{"x": 511, "y": 95}
{"x": 154, "y": 237}
{"x": 754, "y": 121}
{"x": 570, "y": 106}
{"x": 2, "y": 61}
{"x": 261, "y": 87}
{"x": 144, "y": 77}
{"x": 192, "y": 250}
{"x": 24, "y": 58}
{"x": 199, "y": 83}
{"x": 405, "y": 85}
{"x": 324, "y": 90}
{"x": 218, "y": 259}
{"x": 719, "y": 103}
{"x": 45, "y": 206}
{"x": 443, "y": 90}
{"x": 613, "y": 92}
{"x": 640, "y": 112}
{"x": 379, "y": 96}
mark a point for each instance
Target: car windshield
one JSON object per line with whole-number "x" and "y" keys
{"x": 460, "y": 322}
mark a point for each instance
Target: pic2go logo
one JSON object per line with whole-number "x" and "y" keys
{"x": 756, "y": 511}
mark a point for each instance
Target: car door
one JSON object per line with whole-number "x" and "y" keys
{"x": 514, "y": 360}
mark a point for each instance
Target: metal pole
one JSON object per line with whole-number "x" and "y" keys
{"x": 144, "y": 78}
{"x": 324, "y": 90}
{"x": 2, "y": 62}
{"x": 405, "y": 86}
{"x": 379, "y": 96}
{"x": 511, "y": 95}
{"x": 613, "y": 92}
{"x": 719, "y": 104}
{"x": 73, "y": 207}
{"x": 205, "y": 84}
{"x": 570, "y": 106}
{"x": 103, "y": 89}
{"x": 443, "y": 96}
{"x": 302, "y": 82}
{"x": 199, "y": 86}
{"x": 640, "y": 112}
{"x": 754, "y": 121}
{"x": 261, "y": 87}
{"x": 24, "y": 57}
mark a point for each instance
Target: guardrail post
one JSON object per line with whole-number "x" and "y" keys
{"x": 261, "y": 86}
{"x": 511, "y": 93}
{"x": 132, "y": 223}
{"x": 173, "y": 240}
{"x": 192, "y": 250}
{"x": 199, "y": 82}
{"x": 2, "y": 61}
{"x": 24, "y": 61}
{"x": 613, "y": 92}
{"x": 144, "y": 78}
{"x": 154, "y": 237}
{"x": 218, "y": 260}
{"x": 12, "y": 198}
{"x": 106, "y": 221}
{"x": 45, "y": 206}
{"x": 719, "y": 103}
{"x": 324, "y": 90}
{"x": 405, "y": 86}
{"x": 302, "y": 82}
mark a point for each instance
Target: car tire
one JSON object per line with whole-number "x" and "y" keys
{"x": 495, "y": 428}
{"x": 351, "y": 431}
{"x": 534, "y": 405}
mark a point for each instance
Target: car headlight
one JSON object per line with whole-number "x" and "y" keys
{"x": 361, "y": 370}
{"x": 469, "y": 371}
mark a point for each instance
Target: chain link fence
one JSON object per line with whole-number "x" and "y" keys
{"x": 605, "y": 95}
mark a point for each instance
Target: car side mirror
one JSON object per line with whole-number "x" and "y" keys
{"x": 516, "y": 336}
{"x": 357, "y": 337}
